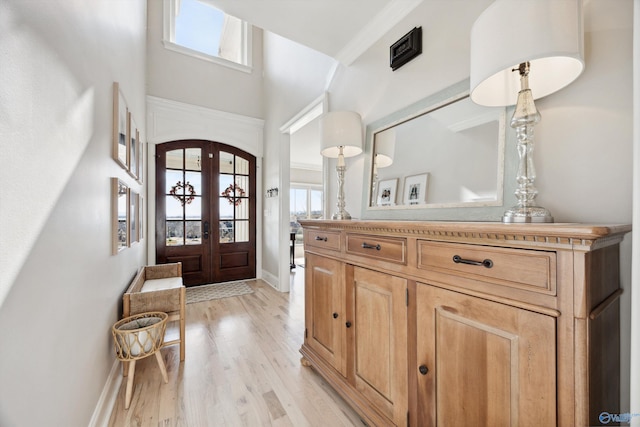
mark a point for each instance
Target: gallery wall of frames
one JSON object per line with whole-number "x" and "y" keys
{"x": 127, "y": 149}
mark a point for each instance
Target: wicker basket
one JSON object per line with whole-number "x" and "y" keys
{"x": 138, "y": 336}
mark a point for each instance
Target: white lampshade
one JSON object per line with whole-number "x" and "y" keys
{"x": 384, "y": 148}
{"x": 546, "y": 33}
{"x": 340, "y": 129}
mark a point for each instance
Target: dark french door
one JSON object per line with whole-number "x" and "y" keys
{"x": 206, "y": 210}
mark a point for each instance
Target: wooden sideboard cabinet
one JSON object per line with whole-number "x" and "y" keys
{"x": 449, "y": 323}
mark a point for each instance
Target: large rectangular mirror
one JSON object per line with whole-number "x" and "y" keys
{"x": 446, "y": 154}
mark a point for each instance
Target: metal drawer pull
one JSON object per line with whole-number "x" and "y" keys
{"x": 323, "y": 239}
{"x": 458, "y": 260}
{"x": 368, "y": 246}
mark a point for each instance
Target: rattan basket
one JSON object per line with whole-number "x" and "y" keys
{"x": 136, "y": 337}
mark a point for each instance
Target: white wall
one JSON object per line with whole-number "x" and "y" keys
{"x": 179, "y": 77}
{"x": 60, "y": 286}
{"x": 294, "y": 76}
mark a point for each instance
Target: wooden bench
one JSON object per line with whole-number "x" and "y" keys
{"x": 158, "y": 288}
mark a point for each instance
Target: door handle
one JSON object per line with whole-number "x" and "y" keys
{"x": 205, "y": 232}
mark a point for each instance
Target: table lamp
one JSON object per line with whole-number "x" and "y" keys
{"x": 523, "y": 50}
{"x": 340, "y": 137}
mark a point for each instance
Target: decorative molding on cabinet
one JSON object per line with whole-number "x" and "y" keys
{"x": 559, "y": 234}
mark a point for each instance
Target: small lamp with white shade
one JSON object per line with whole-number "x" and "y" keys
{"x": 340, "y": 137}
{"x": 523, "y": 50}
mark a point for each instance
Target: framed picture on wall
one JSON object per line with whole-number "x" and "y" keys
{"x": 141, "y": 217}
{"x": 141, "y": 149}
{"x": 133, "y": 144}
{"x": 120, "y": 135}
{"x": 119, "y": 216}
{"x": 134, "y": 235}
{"x": 387, "y": 192}
{"x": 415, "y": 189}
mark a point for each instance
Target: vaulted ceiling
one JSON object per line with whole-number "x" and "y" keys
{"x": 342, "y": 29}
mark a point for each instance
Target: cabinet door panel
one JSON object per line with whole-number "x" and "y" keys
{"x": 380, "y": 340}
{"x": 324, "y": 309}
{"x": 488, "y": 363}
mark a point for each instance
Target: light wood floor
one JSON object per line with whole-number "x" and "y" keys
{"x": 242, "y": 368}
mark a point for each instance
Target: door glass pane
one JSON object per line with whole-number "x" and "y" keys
{"x": 226, "y": 231}
{"x": 183, "y": 197}
{"x": 174, "y": 208}
{"x": 225, "y": 182}
{"x": 194, "y": 232}
{"x": 172, "y": 178}
{"x": 226, "y": 209}
{"x": 175, "y": 233}
{"x": 242, "y": 186}
{"x": 193, "y": 210}
{"x": 242, "y": 210}
{"x": 226, "y": 162}
{"x": 242, "y": 231}
{"x": 242, "y": 166}
{"x": 192, "y": 159}
{"x": 174, "y": 159}
{"x": 195, "y": 180}
{"x": 234, "y": 185}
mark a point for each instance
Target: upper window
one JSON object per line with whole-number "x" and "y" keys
{"x": 195, "y": 28}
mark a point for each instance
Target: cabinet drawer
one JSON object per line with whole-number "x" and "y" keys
{"x": 525, "y": 269}
{"x": 322, "y": 239}
{"x": 385, "y": 248}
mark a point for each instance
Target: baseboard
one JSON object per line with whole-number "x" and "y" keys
{"x": 271, "y": 280}
{"x": 107, "y": 400}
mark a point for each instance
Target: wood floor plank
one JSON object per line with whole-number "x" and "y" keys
{"x": 242, "y": 368}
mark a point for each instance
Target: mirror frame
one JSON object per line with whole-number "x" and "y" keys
{"x": 463, "y": 211}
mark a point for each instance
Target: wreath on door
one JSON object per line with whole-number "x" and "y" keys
{"x": 188, "y": 188}
{"x": 233, "y": 193}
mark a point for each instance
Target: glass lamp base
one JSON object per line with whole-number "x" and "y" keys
{"x": 521, "y": 214}
{"x": 341, "y": 215}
